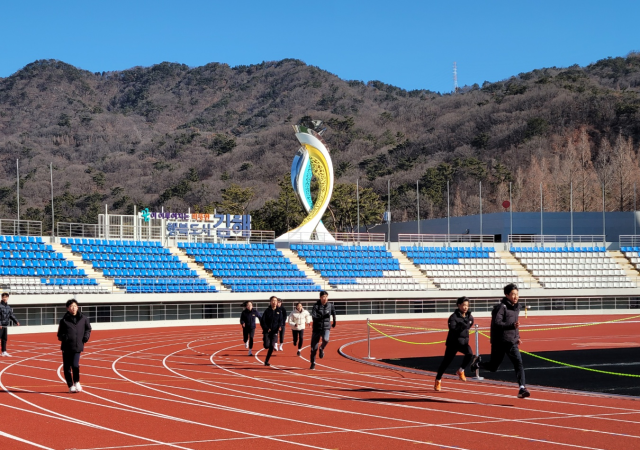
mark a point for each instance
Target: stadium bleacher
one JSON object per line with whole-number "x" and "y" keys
{"x": 572, "y": 267}
{"x": 139, "y": 266}
{"x": 250, "y": 267}
{"x": 357, "y": 268}
{"x": 632, "y": 254}
{"x": 29, "y": 266}
{"x": 462, "y": 267}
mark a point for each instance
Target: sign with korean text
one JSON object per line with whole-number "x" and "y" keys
{"x": 223, "y": 226}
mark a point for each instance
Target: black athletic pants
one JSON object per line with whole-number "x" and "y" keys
{"x": 270, "y": 340}
{"x": 71, "y": 362}
{"x": 450, "y": 353}
{"x": 497, "y": 355}
{"x": 247, "y": 335}
{"x": 3, "y": 337}
{"x": 315, "y": 342}
{"x": 282, "y": 335}
{"x": 298, "y": 336}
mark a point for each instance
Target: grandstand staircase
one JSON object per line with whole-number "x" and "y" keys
{"x": 413, "y": 271}
{"x": 302, "y": 265}
{"x": 106, "y": 283}
{"x": 198, "y": 269}
{"x": 626, "y": 266}
{"x": 519, "y": 269}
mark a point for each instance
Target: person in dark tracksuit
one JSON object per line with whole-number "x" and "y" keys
{"x": 505, "y": 337}
{"x": 321, "y": 314}
{"x": 271, "y": 323}
{"x": 248, "y": 321}
{"x": 6, "y": 317}
{"x": 74, "y": 331}
{"x": 460, "y": 322}
{"x": 283, "y": 313}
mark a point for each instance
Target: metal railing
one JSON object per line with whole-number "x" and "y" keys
{"x": 553, "y": 239}
{"x": 359, "y": 237}
{"x": 331, "y": 238}
{"x": 109, "y": 313}
{"x": 629, "y": 240}
{"x": 446, "y": 238}
{"x": 149, "y": 232}
{"x": 20, "y": 227}
{"x": 79, "y": 230}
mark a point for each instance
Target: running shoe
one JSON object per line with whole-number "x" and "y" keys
{"x": 523, "y": 393}
{"x": 267, "y": 364}
{"x": 460, "y": 374}
{"x": 281, "y": 347}
{"x": 438, "y": 386}
{"x": 313, "y": 366}
{"x": 275, "y": 348}
{"x": 321, "y": 353}
{"x": 475, "y": 365}
{"x": 5, "y": 354}
{"x": 298, "y": 352}
{"x": 78, "y": 387}
{"x": 246, "y": 344}
{"x": 72, "y": 389}
{"x": 250, "y": 353}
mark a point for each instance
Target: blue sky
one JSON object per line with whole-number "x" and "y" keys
{"x": 411, "y": 44}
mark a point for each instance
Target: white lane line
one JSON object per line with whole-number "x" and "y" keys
{"x": 79, "y": 421}
{"x": 24, "y": 441}
{"x": 223, "y": 407}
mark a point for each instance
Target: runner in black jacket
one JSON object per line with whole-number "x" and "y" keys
{"x": 6, "y": 317}
{"x": 460, "y": 322}
{"x": 284, "y": 315}
{"x": 321, "y": 313}
{"x": 74, "y": 331}
{"x": 271, "y": 322}
{"x": 248, "y": 321}
{"x": 505, "y": 337}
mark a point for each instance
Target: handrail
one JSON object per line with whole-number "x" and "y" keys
{"x": 13, "y": 227}
{"x": 560, "y": 238}
{"x": 446, "y": 238}
{"x": 629, "y": 240}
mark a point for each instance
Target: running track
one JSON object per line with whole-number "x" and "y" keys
{"x": 196, "y": 388}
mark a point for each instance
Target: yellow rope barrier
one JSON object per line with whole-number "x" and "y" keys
{"x": 522, "y": 351}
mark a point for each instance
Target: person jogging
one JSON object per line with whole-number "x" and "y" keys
{"x": 283, "y": 314}
{"x": 298, "y": 320}
{"x": 271, "y": 323}
{"x": 505, "y": 337}
{"x": 6, "y": 317}
{"x": 321, "y": 314}
{"x": 73, "y": 332}
{"x": 248, "y": 321}
{"x": 460, "y": 322}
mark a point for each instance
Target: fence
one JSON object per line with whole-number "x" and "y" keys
{"x": 446, "y": 238}
{"x": 154, "y": 230}
{"x": 554, "y": 239}
{"x": 629, "y": 241}
{"x": 51, "y": 315}
{"x": 20, "y": 227}
{"x": 331, "y": 238}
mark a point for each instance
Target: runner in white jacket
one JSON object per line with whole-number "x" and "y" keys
{"x": 298, "y": 319}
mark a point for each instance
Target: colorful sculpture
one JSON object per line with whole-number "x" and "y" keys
{"x": 311, "y": 160}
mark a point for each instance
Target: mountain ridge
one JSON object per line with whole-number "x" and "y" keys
{"x": 174, "y": 136}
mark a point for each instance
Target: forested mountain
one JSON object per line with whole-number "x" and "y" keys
{"x": 181, "y": 137}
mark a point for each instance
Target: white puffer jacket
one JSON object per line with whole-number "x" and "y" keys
{"x": 298, "y": 320}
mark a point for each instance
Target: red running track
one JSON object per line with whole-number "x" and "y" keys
{"x": 196, "y": 388}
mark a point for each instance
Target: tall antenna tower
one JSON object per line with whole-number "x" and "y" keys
{"x": 455, "y": 77}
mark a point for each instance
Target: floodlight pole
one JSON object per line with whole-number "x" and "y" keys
{"x": 53, "y": 214}
{"x": 418, "y": 202}
{"x": 18, "y": 190}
